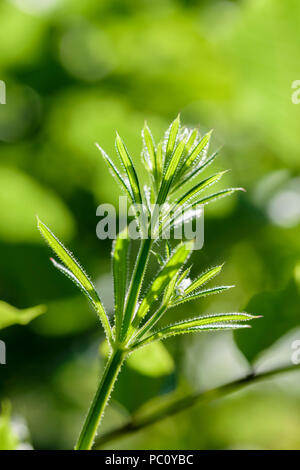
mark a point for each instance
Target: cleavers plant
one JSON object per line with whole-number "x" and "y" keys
{"x": 171, "y": 165}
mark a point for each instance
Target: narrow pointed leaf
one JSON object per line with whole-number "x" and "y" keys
{"x": 183, "y": 179}
{"x": 209, "y": 323}
{"x": 183, "y": 275}
{"x": 73, "y": 278}
{"x": 200, "y": 294}
{"x": 77, "y": 271}
{"x": 191, "y": 141}
{"x": 203, "y": 279}
{"x": 195, "y": 153}
{"x": 129, "y": 168}
{"x": 191, "y": 209}
{"x": 170, "y": 289}
{"x": 149, "y": 147}
{"x": 159, "y": 257}
{"x": 116, "y": 174}
{"x": 164, "y": 276}
{"x": 120, "y": 269}
{"x": 200, "y": 187}
{"x": 159, "y": 162}
{"x": 170, "y": 172}
{"x": 168, "y": 249}
{"x": 218, "y": 195}
{"x": 171, "y": 138}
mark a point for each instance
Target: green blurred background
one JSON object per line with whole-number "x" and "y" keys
{"x": 76, "y": 71}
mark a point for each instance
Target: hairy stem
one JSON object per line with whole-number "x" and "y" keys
{"x": 174, "y": 406}
{"x": 89, "y": 429}
{"x": 148, "y": 325}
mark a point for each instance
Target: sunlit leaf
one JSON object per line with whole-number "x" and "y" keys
{"x": 129, "y": 168}
{"x": 170, "y": 173}
{"x": 75, "y": 272}
{"x": 149, "y": 149}
{"x": 165, "y": 275}
{"x": 195, "y": 154}
{"x": 218, "y": 195}
{"x": 200, "y": 294}
{"x": 116, "y": 174}
{"x": 159, "y": 162}
{"x": 203, "y": 279}
{"x": 208, "y": 322}
{"x": 120, "y": 271}
{"x": 194, "y": 172}
{"x": 170, "y": 139}
{"x": 191, "y": 140}
{"x": 200, "y": 187}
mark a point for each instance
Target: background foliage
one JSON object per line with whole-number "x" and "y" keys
{"x": 76, "y": 71}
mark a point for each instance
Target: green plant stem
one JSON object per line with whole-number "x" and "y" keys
{"x": 149, "y": 324}
{"x": 136, "y": 284}
{"x": 142, "y": 420}
{"x": 89, "y": 429}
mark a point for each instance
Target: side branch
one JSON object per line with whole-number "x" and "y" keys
{"x": 138, "y": 422}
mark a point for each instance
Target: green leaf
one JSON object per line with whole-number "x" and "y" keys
{"x": 203, "y": 279}
{"x": 170, "y": 172}
{"x": 183, "y": 179}
{"x": 219, "y": 321}
{"x": 129, "y": 168}
{"x": 71, "y": 276}
{"x": 191, "y": 140}
{"x": 75, "y": 272}
{"x": 200, "y": 294}
{"x": 152, "y": 361}
{"x": 175, "y": 215}
{"x": 159, "y": 162}
{"x": 183, "y": 275}
{"x": 165, "y": 275}
{"x": 195, "y": 153}
{"x": 116, "y": 174}
{"x": 158, "y": 257}
{"x": 170, "y": 289}
{"x": 168, "y": 249}
{"x": 171, "y": 137}
{"x": 10, "y": 315}
{"x": 200, "y": 187}
{"x": 192, "y": 208}
{"x": 120, "y": 268}
{"x": 149, "y": 148}
{"x": 218, "y": 195}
